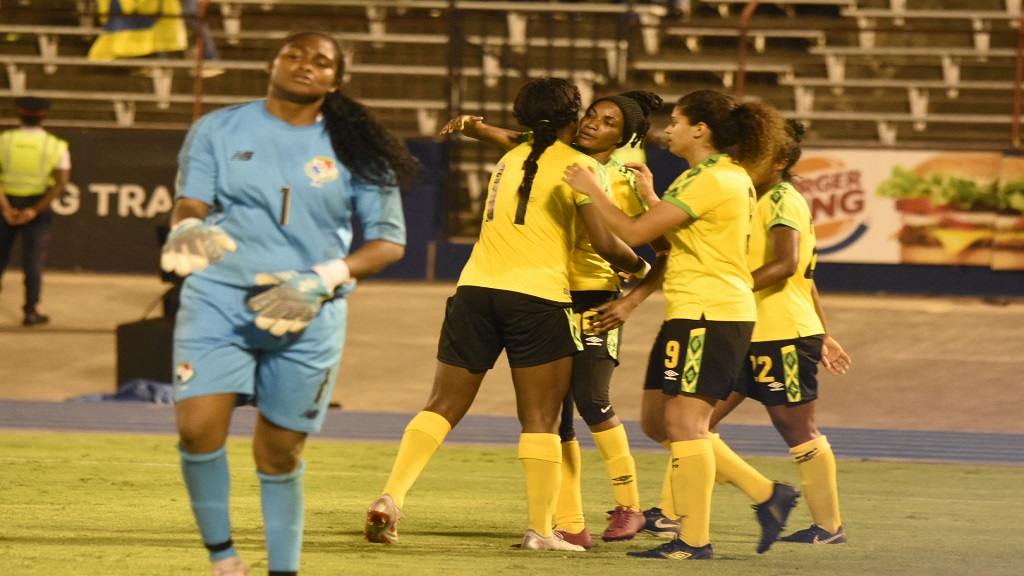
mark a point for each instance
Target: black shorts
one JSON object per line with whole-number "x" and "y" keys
{"x": 698, "y": 357}
{"x": 481, "y": 322}
{"x": 595, "y": 346}
{"x": 782, "y": 372}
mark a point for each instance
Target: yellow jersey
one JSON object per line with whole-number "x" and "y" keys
{"x": 528, "y": 249}
{"x": 785, "y": 310}
{"x": 588, "y": 270}
{"x": 707, "y": 272}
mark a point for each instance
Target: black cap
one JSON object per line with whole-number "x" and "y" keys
{"x": 32, "y": 106}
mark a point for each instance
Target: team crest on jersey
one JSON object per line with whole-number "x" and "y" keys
{"x": 321, "y": 170}
{"x": 184, "y": 372}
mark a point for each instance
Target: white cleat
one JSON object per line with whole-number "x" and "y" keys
{"x": 534, "y": 541}
{"x": 382, "y": 521}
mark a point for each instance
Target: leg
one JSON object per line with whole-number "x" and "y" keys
{"x": 687, "y": 417}
{"x": 36, "y": 243}
{"x": 203, "y": 423}
{"x": 817, "y": 466}
{"x": 452, "y": 394}
{"x": 569, "y": 521}
{"x": 539, "y": 393}
{"x": 279, "y": 466}
{"x": 8, "y": 234}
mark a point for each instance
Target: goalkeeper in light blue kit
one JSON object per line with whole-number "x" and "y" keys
{"x": 262, "y": 227}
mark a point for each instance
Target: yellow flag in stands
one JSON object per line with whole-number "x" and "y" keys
{"x": 134, "y": 28}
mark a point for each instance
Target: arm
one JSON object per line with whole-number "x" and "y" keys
{"x": 613, "y": 314}
{"x": 373, "y": 256}
{"x": 61, "y": 177}
{"x": 8, "y": 211}
{"x": 635, "y": 232}
{"x": 474, "y": 127}
{"x": 785, "y": 245}
{"x": 608, "y": 246}
{"x": 189, "y": 208}
{"x": 833, "y": 357}
{"x": 644, "y": 183}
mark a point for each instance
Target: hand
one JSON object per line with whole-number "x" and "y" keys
{"x": 292, "y": 303}
{"x": 583, "y": 179}
{"x": 611, "y": 315}
{"x": 11, "y": 215}
{"x": 192, "y": 245}
{"x": 630, "y": 277}
{"x": 644, "y": 182}
{"x": 25, "y": 215}
{"x": 459, "y": 123}
{"x": 833, "y": 357}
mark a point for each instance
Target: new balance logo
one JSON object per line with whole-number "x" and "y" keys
{"x": 242, "y": 155}
{"x": 671, "y": 375}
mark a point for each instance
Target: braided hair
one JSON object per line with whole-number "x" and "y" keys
{"x": 360, "y": 141}
{"x": 545, "y": 106}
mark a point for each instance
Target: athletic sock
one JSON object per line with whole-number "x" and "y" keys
{"x": 731, "y": 469}
{"x": 817, "y": 466}
{"x": 693, "y": 479}
{"x": 208, "y": 481}
{"x": 541, "y": 456}
{"x": 422, "y": 438}
{"x": 281, "y": 496}
{"x": 668, "y": 508}
{"x": 614, "y": 448}
{"x": 569, "y": 509}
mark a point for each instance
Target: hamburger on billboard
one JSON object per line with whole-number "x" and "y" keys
{"x": 1008, "y": 240}
{"x": 948, "y": 205}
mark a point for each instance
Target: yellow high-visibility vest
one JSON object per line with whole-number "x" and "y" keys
{"x": 27, "y": 160}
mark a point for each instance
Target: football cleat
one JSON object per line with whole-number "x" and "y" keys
{"x": 676, "y": 549}
{"x": 625, "y": 523}
{"x": 382, "y": 521}
{"x": 657, "y": 524}
{"x": 532, "y": 540}
{"x": 773, "y": 513}
{"x": 816, "y": 535}
{"x": 581, "y": 538}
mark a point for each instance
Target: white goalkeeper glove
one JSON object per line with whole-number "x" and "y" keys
{"x": 192, "y": 245}
{"x": 296, "y": 297}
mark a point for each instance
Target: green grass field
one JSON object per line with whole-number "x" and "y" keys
{"x": 103, "y": 504}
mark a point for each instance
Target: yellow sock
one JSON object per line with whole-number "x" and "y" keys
{"x": 668, "y": 508}
{"x": 817, "y": 467}
{"x": 569, "y": 510}
{"x": 422, "y": 438}
{"x": 693, "y": 479}
{"x": 541, "y": 455}
{"x": 614, "y": 448}
{"x": 731, "y": 469}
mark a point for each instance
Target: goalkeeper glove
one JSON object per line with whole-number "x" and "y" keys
{"x": 192, "y": 245}
{"x": 296, "y": 297}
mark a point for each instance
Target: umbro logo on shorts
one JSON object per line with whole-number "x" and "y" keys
{"x": 776, "y": 387}
{"x": 671, "y": 375}
{"x": 594, "y": 341}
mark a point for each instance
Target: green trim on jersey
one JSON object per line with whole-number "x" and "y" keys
{"x": 707, "y": 273}
{"x": 785, "y": 310}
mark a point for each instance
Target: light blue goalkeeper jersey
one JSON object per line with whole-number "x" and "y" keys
{"x": 280, "y": 192}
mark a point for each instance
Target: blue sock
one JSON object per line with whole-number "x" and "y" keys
{"x": 209, "y": 486}
{"x": 283, "y": 518}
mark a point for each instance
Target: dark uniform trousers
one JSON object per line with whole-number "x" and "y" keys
{"x": 35, "y": 241}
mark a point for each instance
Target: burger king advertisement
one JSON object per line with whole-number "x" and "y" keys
{"x": 916, "y": 207}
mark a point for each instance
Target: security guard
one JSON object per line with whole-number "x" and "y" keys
{"x": 34, "y": 169}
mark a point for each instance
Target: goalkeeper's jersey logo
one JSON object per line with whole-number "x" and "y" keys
{"x": 321, "y": 170}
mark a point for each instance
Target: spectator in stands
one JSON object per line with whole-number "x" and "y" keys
{"x": 710, "y": 309}
{"x": 262, "y": 229}
{"x": 34, "y": 169}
